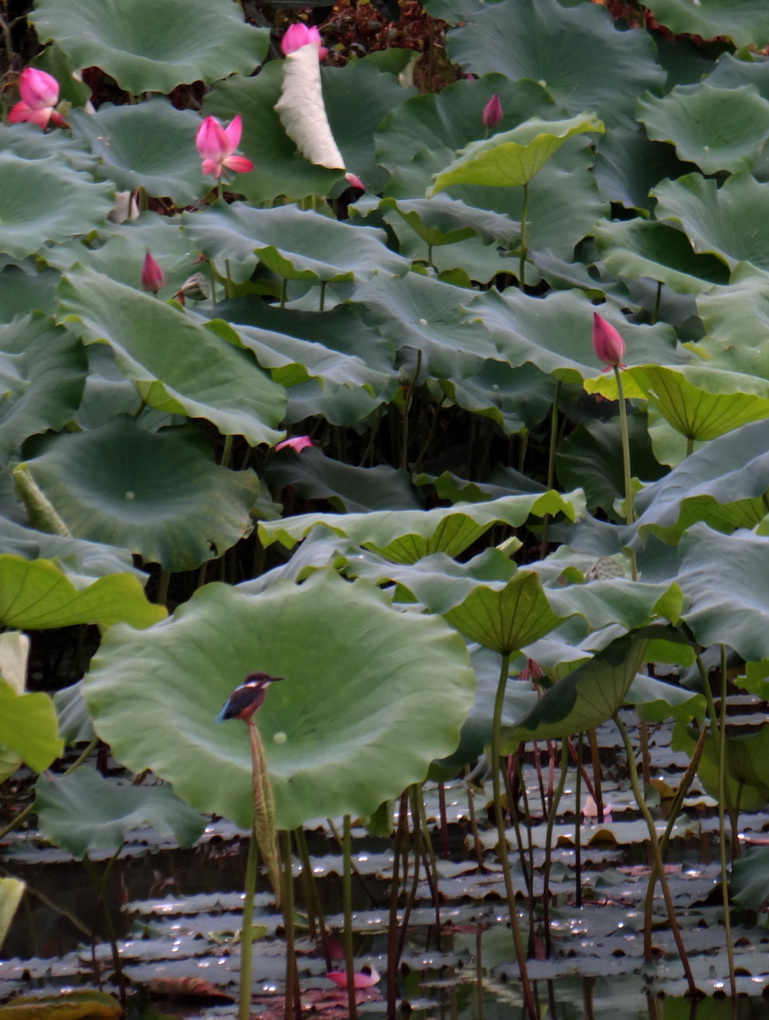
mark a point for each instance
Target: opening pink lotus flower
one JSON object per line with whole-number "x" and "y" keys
{"x": 298, "y": 443}
{"x": 492, "y": 112}
{"x": 363, "y": 978}
{"x": 216, "y": 145}
{"x": 607, "y": 343}
{"x": 153, "y": 277}
{"x": 39, "y": 95}
{"x": 299, "y": 35}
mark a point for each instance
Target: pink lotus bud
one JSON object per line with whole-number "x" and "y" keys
{"x": 298, "y": 35}
{"x": 298, "y": 443}
{"x": 492, "y": 112}
{"x": 217, "y": 144}
{"x": 607, "y": 343}
{"x": 39, "y": 93}
{"x": 153, "y": 277}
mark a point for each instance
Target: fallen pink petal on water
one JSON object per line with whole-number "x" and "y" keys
{"x": 363, "y": 978}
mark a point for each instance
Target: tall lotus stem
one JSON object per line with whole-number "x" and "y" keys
{"x": 247, "y": 931}
{"x": 524, "y": 240}
{"x": 552, "y": 814}
{"x": 352, "y": 1008}
{"x": 520, "y": 956}
{"x": 264, "y": 809}
{"x": 629, "y": 507}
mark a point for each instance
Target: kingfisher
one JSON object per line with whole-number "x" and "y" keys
{"x": 247, "y": 697}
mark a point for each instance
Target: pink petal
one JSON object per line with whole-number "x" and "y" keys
{"x": 361, "y": 979}
{"x": 212, "y": 141}
{"x": 296, "y": 36}
{"x": 38, "y": 88}
{"x": 233, "y": 131}
{"x": 298, "y": 443}
{"x": 239, "y": 164}
{"x": 355, "y": 181}
{"x": 211, "y": 166}
{"x": 20, "y": 113}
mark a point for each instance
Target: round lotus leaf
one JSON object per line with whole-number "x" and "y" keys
{"x": 148, "y": 46}
{"x": 45, "y": 200}
{"x": 370, "y": 696}
{"x": 158, "y": 494}
{"x": 149, "y": 145}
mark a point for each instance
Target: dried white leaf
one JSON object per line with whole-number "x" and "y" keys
{"x": 302, "y": 111}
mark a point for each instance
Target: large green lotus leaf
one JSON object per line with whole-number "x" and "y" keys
{"x": 330, "y": 362}
{"x": 297, "y": 244}
{"x": 731, "y": 221}
{"x": 148, "y": 145}
{"x": 362, "y": 712}
{"x": 74, "y": 556}
{"x": 591, "y": 457}
{"x": 148, "y": 46}
{"x": 732, "y": 610}
{"x": 514, "y": 398}
{"x": 736, "y": 318}
{"x": 642, "y": 248}
{"x": 420, "y": 138}
{"x": 577, "y": 54}
{"x": 42, "y": 374}
{"x": 84, "y": 812}
{"x": 181, "y": 368}
{"x": 700, "y": 403}
{"x": 405, "y": 536}
{"x": 38, "y": 595}
{"x": 555, "y": 333}
{"x": 617, "y": 602}
{"x": 716, "y": 128}
{"x": 723, "y": 483}
{"x": 656, "y": 700}
{"x": 746, "y": 68}
{"x": 427, "y": 315}
{"x": 747, "y": 766}
{"x": 28, "y": 725}
{"x": 628, "y": 165}
{"x": 158, "y": 494}
{"x": 11, "y": 891}
{"x": 585, "y": 698}
{"x": 22, "y": 289}
{"x": 513, "y": 157}
{"x": 443, "y": 220}
{"x": 745, "y": 22}
{"x": 46, "y": 200}
{"x": 347, "y": 488}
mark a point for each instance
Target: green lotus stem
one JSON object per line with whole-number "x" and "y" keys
{"x": 322, "y": 307}
{"x": 524, "y": 239}
{"x": 264, "y": 809}
{"x": 212, "y": 279}
{"x": 392, "y": 923}
{"x": 293, "y": 1000}
{"x": 247, "y": 930}
{"x": 409, "y": 399}
{"x": 683, "y": 788}
{"x": 229, "y": 287}
{"x": 226, "y": 452}
{"x": 520, "y": 956}
{"x": 577, "y": 826}
{"x": 629, "y": 501}
{"x": 551, "y": 816}
{"x": 349, "y": 964}
{"x": 103, "y": 906}
{"x": 283, "y": 293}
{"x": 550, "y": 464}
{"x": 317, "y": 920}
{"x": 689, "y": 445}
{"x": 428, "y": 851}
{"x": 658, "y": 863}
{"x": 656, "y": 309}
{"x": 718, "y": 735}
{"x": 164, "y": 579}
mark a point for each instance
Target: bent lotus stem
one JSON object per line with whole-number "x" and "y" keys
{"x": 520, "y": 956}
{"x": 264, "y": 810}
{"x": 658, "y": 864}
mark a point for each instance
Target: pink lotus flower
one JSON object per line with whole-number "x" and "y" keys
{"x": 363, "y": 978}
{"x": 607, "y": 343}
{"x": 355, "y": 181}
{"x": 217, "y": 144}
{"x": 298, "y": 443}
{"x": 39, "y": 95}
{"x": 299, "y": 35}
{"x": 492, "y": 112}
{"x": 153, "y": 277}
